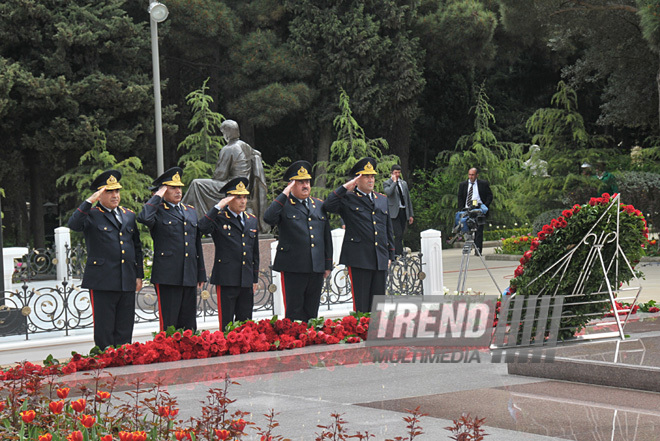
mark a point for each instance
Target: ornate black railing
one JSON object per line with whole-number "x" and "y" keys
{"x": 37, "y": 264}
{"x": 66, "y": 306}
{"x": 405, "y": 275}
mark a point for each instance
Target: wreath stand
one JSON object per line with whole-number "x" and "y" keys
{"x": 596, "y": 242}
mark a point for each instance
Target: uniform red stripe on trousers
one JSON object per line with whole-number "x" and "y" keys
{"x": 283, "y": 291}
{"x": 217, "y": 292}
{"x": 160, "y": 311}
{"x": 350, "y": 275}
{"x": 91, "y": 298}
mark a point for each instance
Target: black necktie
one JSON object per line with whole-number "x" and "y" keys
{"x": 115, "y": 212}
{"x": 178, "y": 209}
{"x": 241, "y": 219}
{"x": 469, "y": 198}
{"x": 304, "y": 204}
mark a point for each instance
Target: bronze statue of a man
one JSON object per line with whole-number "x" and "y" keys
{"x": 236, "y": 159}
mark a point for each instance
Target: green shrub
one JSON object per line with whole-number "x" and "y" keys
{"x": 642, "y": 190}
{"x": 515, "y": 245}
{"x": 545, "y": 219}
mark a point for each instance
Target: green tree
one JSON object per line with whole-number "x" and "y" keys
{"x": 366, "y": 48}
{"x": 76, "y": 182}
{"x": 202, "y": 147}
{"x": 67, "y": 68}
{"x": 496, "y": 161}
{"x": 350, "y": 146}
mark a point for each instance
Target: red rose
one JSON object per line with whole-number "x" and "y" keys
{"x": 567, "y": 214}
{"x": 519, "y": 271}
{"x": 534, "y": 245}
{"x": 541, "y": 235}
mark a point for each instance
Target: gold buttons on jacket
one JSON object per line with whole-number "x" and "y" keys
{"x": 186, "y": 254}
{"x": 376, "y": 244}
{"x": 122, "y": 260}
{"x": 312, "y": 245}
{"x": 120, "y": 234}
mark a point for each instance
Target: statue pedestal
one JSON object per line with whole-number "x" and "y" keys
{"x": 264, "y": 253}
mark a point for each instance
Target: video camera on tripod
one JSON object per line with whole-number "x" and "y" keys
{"x": 469, "y": 219}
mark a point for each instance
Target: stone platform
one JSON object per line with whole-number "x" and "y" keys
{"x": 633, "y": 363}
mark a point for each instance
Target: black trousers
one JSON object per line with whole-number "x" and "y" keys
{"x": 235, "y": 303}
{"x": 365, "y": 284}
{"x": 302, "y": 295}
{"x": 177, "y": 306}
{"x": 114, "y": 316}
{"x": 399, "y": 225}
{"x": 479, "y": 237}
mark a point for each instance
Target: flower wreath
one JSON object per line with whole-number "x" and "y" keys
{"x": 562, "y": 235}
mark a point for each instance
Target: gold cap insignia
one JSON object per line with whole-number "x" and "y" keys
{"x": 303, "y": 174}
{"x": 111, "y": 183}
{"x": 368, "y": 167}
{"x": 175, "y": 181}
{"x": 240, "y": 189}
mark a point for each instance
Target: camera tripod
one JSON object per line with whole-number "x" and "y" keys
{"x": 465, "y": 262}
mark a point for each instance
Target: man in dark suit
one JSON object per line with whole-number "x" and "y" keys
{"x": 236, "y": 265}
{"x": 399, "y": 205}
{"x": 114, "y": 271}
{"x": 475, "y": 190}
{"x": 368, "y": 245}
{"x": 304, "y": 251}
{"x": 178, "y": 268}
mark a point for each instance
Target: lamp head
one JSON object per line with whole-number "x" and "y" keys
{"x": 158, "y": 11}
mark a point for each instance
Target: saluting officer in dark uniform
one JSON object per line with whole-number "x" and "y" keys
{"x": 368, "y": 245}
{"x": 304, "y": 252}
{"x": 114, "y": 260}
{"x": 236, "y": 265}
{"x": 178, "y": 268}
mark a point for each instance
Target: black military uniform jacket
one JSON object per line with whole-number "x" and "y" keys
{"x": 305, "y": 242}
{"x": 178, "y": 256}
{"x": 368, "y": 241}
{"x": 114, "y": 254}
{"x": 236, "y": 247}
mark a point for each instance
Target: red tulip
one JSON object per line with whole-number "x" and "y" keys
{"x": 45, "y": 437}
{"x": 75, "y": 436}
{"x": 163, "y": 411}
{"x": 79, "y": 405}
{"x": 28, "y": 416}
{"x": 125, "y": 436}
{"x": 140, "y": 435}
{"x": 238, "y": 425}
{"x": 56, "y": 406}
{"x": 106, "y": 437}
{"x": 102, "y": 395}
{"x": 181, "y": 434}
{"x": 222, "y": 434}
{"x": 63, "y": 392}
{"x": 87, "y": 420}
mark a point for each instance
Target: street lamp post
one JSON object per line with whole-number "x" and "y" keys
{"x": 158, "y": 13}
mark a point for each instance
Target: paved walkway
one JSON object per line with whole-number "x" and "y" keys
{"x": 305, "y": 386}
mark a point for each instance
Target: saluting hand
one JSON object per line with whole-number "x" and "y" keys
{"x": 287, "y": 190}
{"x": 225, "y": 201}
{"x": 161, "y": 191}
{"x": 95, "y": 197}
{"x": 350, "y": 185}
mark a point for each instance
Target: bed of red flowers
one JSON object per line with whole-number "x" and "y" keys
{"x": 249, "y": 336}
